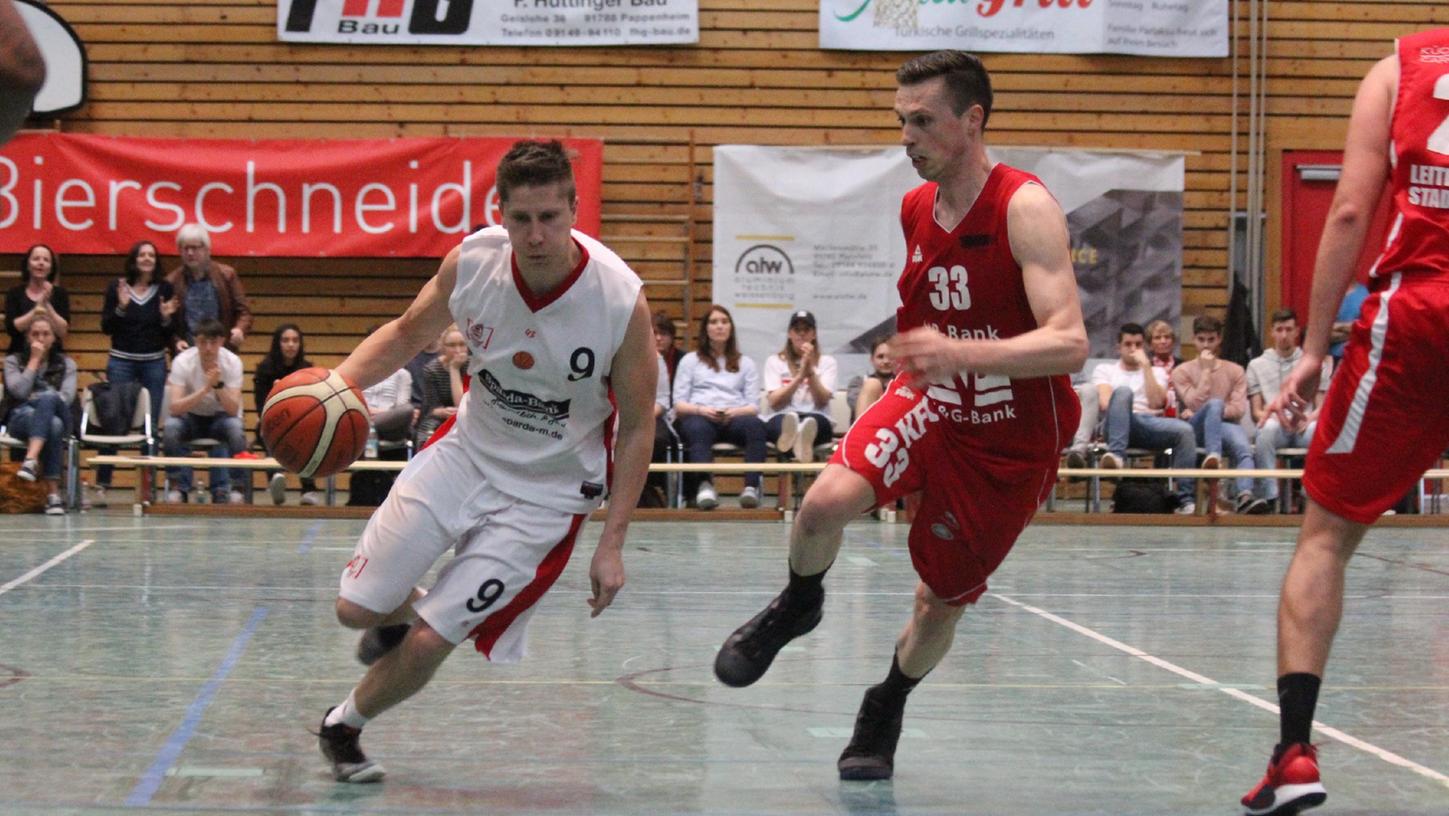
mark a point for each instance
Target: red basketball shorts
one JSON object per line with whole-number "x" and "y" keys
{"x": 1386, "y": 418}
{"x": 972, "y": 509}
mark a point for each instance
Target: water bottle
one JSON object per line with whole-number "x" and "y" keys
{"x": 371, "y": 443}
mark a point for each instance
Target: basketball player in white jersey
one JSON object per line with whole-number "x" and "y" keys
{"x": 556, "y": 325}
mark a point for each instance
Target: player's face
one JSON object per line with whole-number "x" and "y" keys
{"x": 881, "y": 359}
{"x": 1129, "y": 345}
{"x": 1207, "y": 341}
{"x": 194, "y": 254}
{"x": 1285, "y": 336}
{"x": 290, "y": 343}
{"x": 935, "y": 138}
{"x": 1162, "y": 340}
{"x": 40, "y": 262}
{"x": 538, "y": 219}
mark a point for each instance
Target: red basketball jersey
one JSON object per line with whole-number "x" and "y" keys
{"x": 965, "y": 283}
{"x": 1418, "y": 240}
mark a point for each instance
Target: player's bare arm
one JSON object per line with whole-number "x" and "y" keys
{"x": 22, "y": 70}
{"x": 1039, "y": 241}
{"x": 1365, "y": 171}
{"x": 398, "y": 341}
{"x": 633, "y": 377}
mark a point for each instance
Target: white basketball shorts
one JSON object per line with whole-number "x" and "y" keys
{"x": 507, "y": 552}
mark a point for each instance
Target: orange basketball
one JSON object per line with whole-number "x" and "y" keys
{"x": 315, "y": 423}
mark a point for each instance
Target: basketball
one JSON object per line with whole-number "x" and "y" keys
{"x": 314, "y": 422}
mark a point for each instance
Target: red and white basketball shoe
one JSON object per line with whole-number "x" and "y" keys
{"x": 1291, "y": 784}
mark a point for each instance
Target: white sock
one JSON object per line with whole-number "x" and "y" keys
{"x": 347, "y": 713}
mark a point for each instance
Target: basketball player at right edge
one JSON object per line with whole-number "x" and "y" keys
{"x": 1385, "y": 419}
{"x": 990, "y": 326}
{"x": 556, "y": 324}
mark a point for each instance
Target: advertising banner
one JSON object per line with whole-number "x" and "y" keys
{"x": 819, "y": 229}
{"x": 489, "y": 22}
{"x": 296, "y": 198}
{"x": 1161, "y": 28}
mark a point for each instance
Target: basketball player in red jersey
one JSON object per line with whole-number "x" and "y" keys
{"x": 989, "y": 327}
{"x": 1384, "y": 421}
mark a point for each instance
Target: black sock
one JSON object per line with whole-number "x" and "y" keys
{"x": 897, "y": 684}
{"x": 806, "y": 590}
{"x": 1297, "y": 697}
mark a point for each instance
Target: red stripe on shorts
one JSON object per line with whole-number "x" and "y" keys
{"x": 492, "y": 628}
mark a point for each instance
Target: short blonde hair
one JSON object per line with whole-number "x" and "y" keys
{"x": 193, "y": 233}
{"x": 1160, "y": 324}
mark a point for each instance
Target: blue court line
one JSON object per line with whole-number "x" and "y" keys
{"x": 309, "y": 537}
{"x": 171, "y": 751}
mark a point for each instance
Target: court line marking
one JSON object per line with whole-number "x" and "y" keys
{"x": 9, "y": 585}
{"x": 151, "y": 781}
{"x": 1237, "y": 694}
{"x": 309, "y": 537}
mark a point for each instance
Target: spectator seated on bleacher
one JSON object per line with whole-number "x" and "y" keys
{"x": 717, "y": 399}
{"x": 799, "y": 382}
{"x": 39, "y": 393}
{"x": 865, "y": 389}
{"x": 203, "y": 396}
{"x": 442, "y": 385}
{"x": 1162, "y": 352}
{"x": 1265, "y": 382}
{"x": 1212, "y": 395}
{"x": 664, "y": 343}
{"x": 656, "y": 486}
{"x": 287, "y": 355}
{"x": 1131, "y": 394}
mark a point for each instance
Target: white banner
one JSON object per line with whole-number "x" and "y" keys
{"x": 1161, "y": 28}
{"x": 819, "y": 229}
{"x": 489, "y": 22}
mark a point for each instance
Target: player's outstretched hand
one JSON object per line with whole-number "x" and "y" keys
{"x": 926, "y": 355}
{"x": 1295, "y": 396}
{"x": 606, "y": 576}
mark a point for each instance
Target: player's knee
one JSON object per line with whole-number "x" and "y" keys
{"x": 824, "y": 513}
{"x": 354, "y": 616}
{"x": 933, "y": 611}
{"x": 424, "y": 642}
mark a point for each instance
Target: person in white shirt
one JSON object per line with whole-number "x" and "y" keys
{"x": 1131, "y": 394}
{"x": 389, "y": 401}
{"x": 1265, "y": 383}
{"x": 717, "y": 398}
{"x": 203, "y": 394}
{"x": 799, "y": 382}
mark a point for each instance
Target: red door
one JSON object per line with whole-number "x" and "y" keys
{"x": 1309, "y": 179}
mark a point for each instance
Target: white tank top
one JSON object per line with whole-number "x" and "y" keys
{"x": 538, "y": 416}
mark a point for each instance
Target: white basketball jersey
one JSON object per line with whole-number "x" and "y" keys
{"x": 538, "y": 417}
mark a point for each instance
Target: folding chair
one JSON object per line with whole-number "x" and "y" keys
{"x": 140, "y": 435}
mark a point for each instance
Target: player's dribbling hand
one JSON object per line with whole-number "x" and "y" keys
{"x": 606, "y": 577}
{"x": 925, "y": 355}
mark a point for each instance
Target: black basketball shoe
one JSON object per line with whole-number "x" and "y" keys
{"x": 341, "y": 745}
{"x": 748, "y": 653}
{"x": 872, "y": 750}
{"x": 379, "y": 640}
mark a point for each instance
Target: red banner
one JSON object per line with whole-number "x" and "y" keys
{"x": 294, "y": 198}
